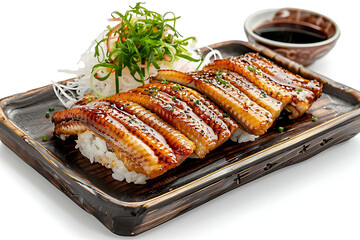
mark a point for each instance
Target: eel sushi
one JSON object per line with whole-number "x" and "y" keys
{"x": 145, "y": 132}
{"x": 294, "y": 92}
{"x": 126, "y": 129}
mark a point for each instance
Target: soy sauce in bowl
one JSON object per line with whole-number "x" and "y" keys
{"x": 298, "y": 34}
{"x": 290, "y": 32}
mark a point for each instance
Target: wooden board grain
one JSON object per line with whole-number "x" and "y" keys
{"x": 129, "y": 209}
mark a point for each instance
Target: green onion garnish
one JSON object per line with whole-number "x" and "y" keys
{"x": 257, "y": 71}
{"x": 280, "y": 129}
{"x": 51, "y": 109}
{"x": 251, "y": 69}
{"x": 223, "y": 81}
{"x": 173, "y": 98}
{"x": 299, "y": 90}
{"x": 218, "y": 73}
{"x": 44, "y": 138}
{"x": 47, "y": 114}
{"x": 314, "y": 119}
{"x": 153, "y": 90}
{"x": 205, "y": 80}
{"x": 176, "y": 87}
{"x": 141, "y": 39}
{"x": 225, "y": 115}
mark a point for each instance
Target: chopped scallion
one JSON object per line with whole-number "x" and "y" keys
{"x": 176, "y": 87}
{"x": 251, "y": 69}
{"x": 153, "y": 90}
{"x": 141, "y": 39}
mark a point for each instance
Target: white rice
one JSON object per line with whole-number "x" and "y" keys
{"x": 95, "y": 149}
{"x": 241, "y": 136}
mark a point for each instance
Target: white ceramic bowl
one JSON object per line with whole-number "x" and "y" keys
{"x": 304, "y": 53}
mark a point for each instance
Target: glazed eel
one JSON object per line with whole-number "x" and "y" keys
{"x": 155, "y": 127}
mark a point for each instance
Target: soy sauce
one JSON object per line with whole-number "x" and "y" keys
{"x": 290, "y": 32}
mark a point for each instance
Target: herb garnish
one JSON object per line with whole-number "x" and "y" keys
{"x": 176, "y": 87}
{"x": 221, "y": 80}
{"x": 257, "y": 71}
{"x": 44, "y": 138}
{"x": 251, "y": 69}
{"x": 153, "y": 90}
{"x": 143, "y": 37}
{"x": 205, "y": 80}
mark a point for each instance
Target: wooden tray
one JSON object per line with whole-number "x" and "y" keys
{"x": 129, "y": 209}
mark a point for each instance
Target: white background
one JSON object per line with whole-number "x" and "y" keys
{"x": 316, "y": 199}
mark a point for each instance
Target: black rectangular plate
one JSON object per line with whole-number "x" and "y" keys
{"x": 129, "y": 209}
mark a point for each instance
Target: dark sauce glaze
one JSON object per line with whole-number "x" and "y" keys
{"x": 284, "y": 77}
{"x": 213, "y": 77}
{"x": 290, "y": 32}
{"x": 117, "y": 117}
{"x": 181, "y": 110}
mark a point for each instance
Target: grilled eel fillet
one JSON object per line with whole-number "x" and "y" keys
{"x": 246, "y": 112}
{"x": 184, "y": 109}
{"x": 283, "y": 76}
{"x": 144, "y": 142}
{"x": 153, "y": 128}
{"x": 144, "y": 139}
{"x": 294, "y": 92}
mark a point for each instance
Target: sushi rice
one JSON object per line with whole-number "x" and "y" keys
{"x": 95, "y": 149}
